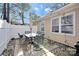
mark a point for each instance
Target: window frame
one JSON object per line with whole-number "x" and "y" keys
{"x": 52, "y": 25}
{"x": 60, "y": 32}
{"x": 42, "y": 25}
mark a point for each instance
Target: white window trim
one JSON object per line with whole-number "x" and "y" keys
{"x": 42, "y": 22}
{"x": 59, "y": 33}
{"x": 51, "y": 24}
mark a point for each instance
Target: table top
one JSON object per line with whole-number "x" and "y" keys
{"x": 31, "y": 34}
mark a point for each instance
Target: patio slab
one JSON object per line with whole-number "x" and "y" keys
{"x": 21, "y": 49}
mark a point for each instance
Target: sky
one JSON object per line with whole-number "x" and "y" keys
{"x": 38, "y": 8}
{"x": 42, "y": 9}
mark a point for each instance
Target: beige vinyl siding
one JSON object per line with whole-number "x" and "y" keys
{"x": 71, "y": 40}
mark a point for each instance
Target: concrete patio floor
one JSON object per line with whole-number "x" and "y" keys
{"x": 19, "y": 47}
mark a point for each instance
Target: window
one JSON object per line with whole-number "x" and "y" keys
{"x": 42, "y": 25}
{"x": 55, "y": 25}
{"x": 64, "y": 24}
{"x": 67, "y": 24}
{"x": 42, "y": 28}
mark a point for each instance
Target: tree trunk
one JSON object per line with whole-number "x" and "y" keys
{"x": 23, "y": 18}
{"x": 4, "y": 11}
{"x": 8, "y": 12}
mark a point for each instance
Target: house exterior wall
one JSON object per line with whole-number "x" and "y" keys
{"x": 34, "y": 29}
{"x": 65, "y": 39}
{"x": 38, "y": 25}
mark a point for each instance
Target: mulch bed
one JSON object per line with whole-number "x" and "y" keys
{"x": 59, "y": 49}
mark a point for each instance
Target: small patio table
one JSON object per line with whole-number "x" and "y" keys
{"x": 31, "y": 36}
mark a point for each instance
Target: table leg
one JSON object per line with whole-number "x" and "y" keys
{"x": 31, "y": 47}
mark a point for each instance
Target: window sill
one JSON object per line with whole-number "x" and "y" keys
{"x": 63, "y": 34}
